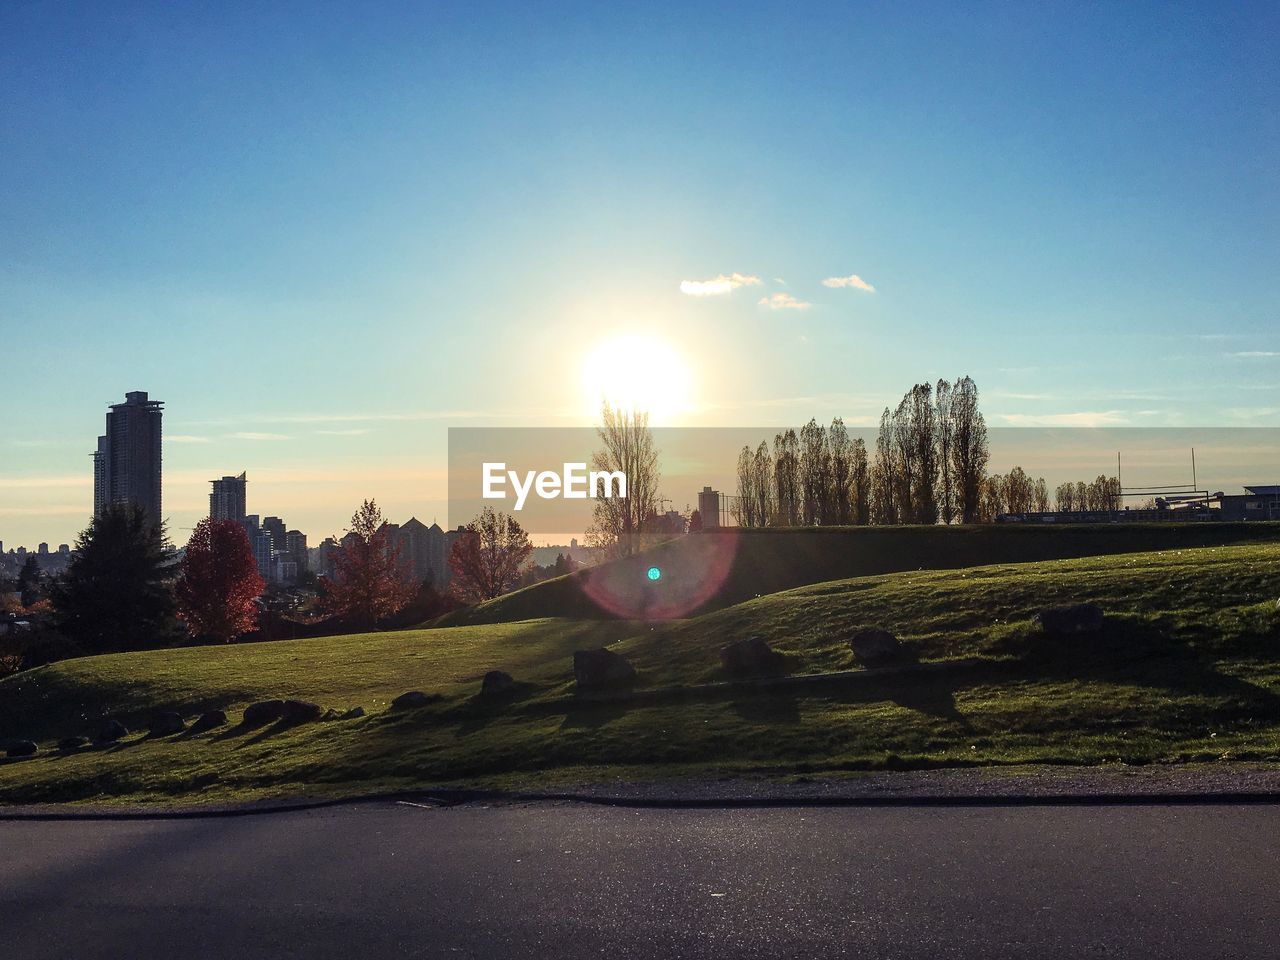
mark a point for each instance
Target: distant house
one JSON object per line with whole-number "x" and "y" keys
{"x": 1258, "y": 502}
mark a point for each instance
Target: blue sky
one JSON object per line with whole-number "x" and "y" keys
{"x": 323, "y": 233}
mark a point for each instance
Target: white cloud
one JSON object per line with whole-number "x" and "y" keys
{"x": 1255, "y": 353}
{"x": 186, "y": 438}
{"x": 1083, "y": 418}
{"x": 1254, "y": 413}
{"x": 783, "y": 301}
{"x": 253, "y": 435}
{"x": 718, "y": 286}
{"x": 853, "y": 280}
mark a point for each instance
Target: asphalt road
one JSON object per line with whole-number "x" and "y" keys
{"x": 390, "y": 880}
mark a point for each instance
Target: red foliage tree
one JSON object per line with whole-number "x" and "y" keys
{"x": 219, "y": 582}
{"x": 487, "y": 558}
{"x": 369, "y": 583}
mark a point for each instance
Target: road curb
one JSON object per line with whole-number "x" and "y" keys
{"x": 443, "y": 799}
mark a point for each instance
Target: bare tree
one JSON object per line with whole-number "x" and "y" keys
{"x": 747, "y": 501}
{"x": 970, "y": 453}
{"x": 860, "y": 483}
{"x": 903, "y": 463}
{"x": 1065, "y": 495}
{"x": 840, "y": 508}
{"x": 486, "y": 559}
{"x": 627, "y": 447}
{"x": 946, "y": 470}
{"x": 1040, "y": 497}
{"x": 762, "y": 484}
{"x": 815, "y": 475}
{"x": 786, "y": 478}
{"x": 922, "y": 426}
{"x": 884, "y": 482}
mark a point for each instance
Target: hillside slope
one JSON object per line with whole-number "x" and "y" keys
{"x": 716, "y": 569}
{"x": 1185, "y": 669}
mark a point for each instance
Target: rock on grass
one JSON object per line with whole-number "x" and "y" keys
{"x": 209, "y": 721}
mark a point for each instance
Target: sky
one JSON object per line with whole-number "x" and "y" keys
{"x": 323, "y": 234}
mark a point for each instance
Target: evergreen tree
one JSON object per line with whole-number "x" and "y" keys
{"x": 29, "y": 582}
{"x": 117, "y": 593}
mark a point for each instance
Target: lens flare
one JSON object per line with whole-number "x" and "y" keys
{"x": 691, "y": 572}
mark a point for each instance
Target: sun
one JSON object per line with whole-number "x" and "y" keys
{"x": 637, "y": 372}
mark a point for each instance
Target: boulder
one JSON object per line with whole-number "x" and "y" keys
{"x": 601, "y": 668}
{"x": 413, "y": 700}
{"x": 496, "y": 683}
{"x": 209, "y": 721}
{"x": 21, "y": 748}
{"x": 874, "y": 646}
{"x": 355, "y": 713}
{"x": 111, "y": 732}
{"x": 264, "y": 711}
{"x": 1070, "y": 619}
{"x": 751, "y": 657}
{"x": 164, "y": 724}
{"x": 300, "y": 711}
{"x": 73, "y": 743}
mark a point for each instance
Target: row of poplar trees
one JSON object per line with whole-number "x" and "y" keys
{"x": 928, "y": 465}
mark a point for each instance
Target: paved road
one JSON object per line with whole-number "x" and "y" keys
{"x": 552, "y": 881}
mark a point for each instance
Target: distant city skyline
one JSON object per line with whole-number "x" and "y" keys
{"x": 322, "y": 239}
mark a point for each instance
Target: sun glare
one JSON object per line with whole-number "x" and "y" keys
{"x": 637, "y": 372}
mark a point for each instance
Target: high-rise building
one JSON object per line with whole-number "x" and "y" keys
{"x": 227, "y": 499}
{"x": 295, "y": 542}
{"x": 279, "y": 534}
{"x": 127, "y": 463}
{"x": 260, "y": 543}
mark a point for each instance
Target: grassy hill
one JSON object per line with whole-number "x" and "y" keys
{"x": 717, "y": 569}
{"x": 1185, "y": 669}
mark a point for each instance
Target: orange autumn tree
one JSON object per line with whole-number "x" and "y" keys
{"x": 219, "y": 582}
{"x": 369, "y": 583}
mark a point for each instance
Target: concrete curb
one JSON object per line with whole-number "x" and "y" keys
{"x": 446, "y": 798}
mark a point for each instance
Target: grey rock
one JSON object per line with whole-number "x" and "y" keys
{"x": 21, "y": 748}
{"x": 73, "y": 743}
{"x": 601, "y": 668}
{"x": 355, "y": 713}
{"x": 209, "y": 721}
{"x": 1070, "y": 619}
{"x": 264, "y": 711}
{"x": 751, "y": 657}
{"x": 496, "y": 683}
{"x": 164, "y": 724}
{"x": 874, "y": 646}
{"x": 111, "y": 732}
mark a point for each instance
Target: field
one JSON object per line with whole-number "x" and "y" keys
{"x": 1184, "y": 670}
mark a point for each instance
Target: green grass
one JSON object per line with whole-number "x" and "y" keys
{"x": 717, "y": 569}
{"x": 1186, "y": 670}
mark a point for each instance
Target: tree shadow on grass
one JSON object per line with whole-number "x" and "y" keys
{"x": 482, "y": 709}
{"x": 767, "y": 707}
{"x": 593, "y": 714}
{"x": 1133, "y": 650}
